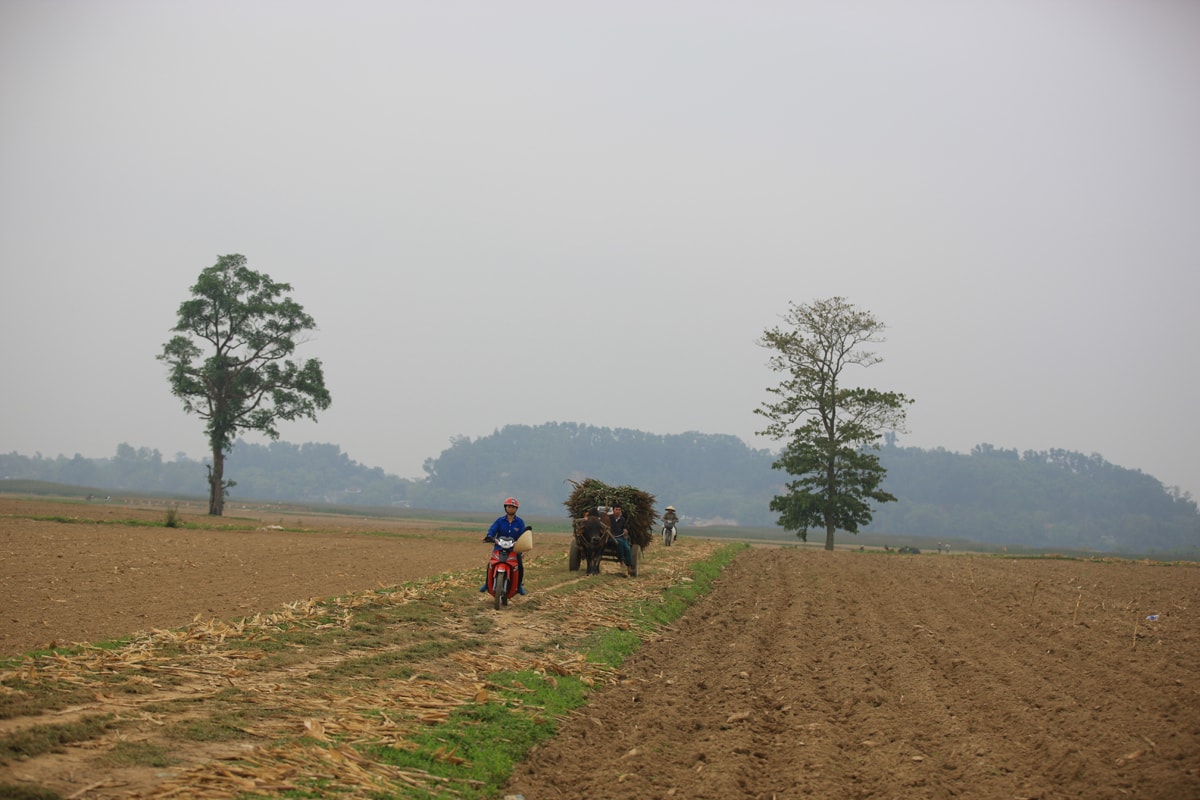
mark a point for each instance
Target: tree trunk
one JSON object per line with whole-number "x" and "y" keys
{"x": 831, "y": 490}
{"x": 216, "y": 484}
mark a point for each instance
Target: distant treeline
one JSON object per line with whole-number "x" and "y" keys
{"x": 1051, "y": 499}
{"x": 1041, "y": 499}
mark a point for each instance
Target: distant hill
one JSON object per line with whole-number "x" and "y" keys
{"x": 1047, "y": 500}
{"x": 1041, "y": 499}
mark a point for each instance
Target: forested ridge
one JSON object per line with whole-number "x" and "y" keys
{"x": 1042, "y": 499}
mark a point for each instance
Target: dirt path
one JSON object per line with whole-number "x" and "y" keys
{"x": 258, "y": 700}
{"x": 805, "y": 674}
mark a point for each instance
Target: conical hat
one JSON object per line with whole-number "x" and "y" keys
{"x": 524, "y": 542}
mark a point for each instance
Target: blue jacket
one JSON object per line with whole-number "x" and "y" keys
{"x": 502, "y": 527}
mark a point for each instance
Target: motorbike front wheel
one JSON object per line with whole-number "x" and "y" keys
{"x": 667, "y": 537}
{"x": 500, "y": 589}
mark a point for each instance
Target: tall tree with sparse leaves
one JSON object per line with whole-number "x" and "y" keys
{"x": 231, "y": 365}
{"x": 829, "y": 428}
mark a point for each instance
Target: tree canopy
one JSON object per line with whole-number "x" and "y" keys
{"x": 828, "y": 428}
{"x": 231, "y": 360}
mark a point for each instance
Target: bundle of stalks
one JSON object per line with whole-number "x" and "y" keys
{"x": 636, "y": 505}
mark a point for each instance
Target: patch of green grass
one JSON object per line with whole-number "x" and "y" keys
{"x": 40, "y": 739}
{"x": 378, "y": 619}
{"x": 477, "y": 749}
{"x": 281, "y": 656}
{"x": 170, "y": 521}
{"x": 538, "y": 647}
{"x": 15, "y": 663}
{"x": 225, "y": 716}
{"x": 678, "y": 598}
{"x": 394, "y": 534}
{"x": 9, "y": 791}
{"x": 611, "y": 646}
{"x": 389, "y": 665}
{"x": 112, "y": 644}
{"x": 136, "y": 754}
{"x": 215, "y": 728}
{"x": 396, "y": 664}
{"x": 22, "y": 699}
{"x": 375, "y": 628}
{"x": 299, "y": 636}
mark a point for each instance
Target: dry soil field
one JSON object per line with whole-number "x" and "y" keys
{"x": 804, "y": 674}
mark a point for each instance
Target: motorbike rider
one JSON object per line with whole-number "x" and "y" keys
{"x": 509, "y": 525}
{"x": 670, "y": 520}
{"x": 617, "y": 526}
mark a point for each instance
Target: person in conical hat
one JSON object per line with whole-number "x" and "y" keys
{"x": 671, "y": 522}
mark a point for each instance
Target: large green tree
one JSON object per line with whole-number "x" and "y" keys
{"x": 231, "y": 361}
{"x": 829, "y": 429}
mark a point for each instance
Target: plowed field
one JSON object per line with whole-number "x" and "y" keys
{"x": 803, "y": 674}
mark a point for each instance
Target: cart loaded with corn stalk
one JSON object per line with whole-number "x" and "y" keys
{"x": 637, "y": 507}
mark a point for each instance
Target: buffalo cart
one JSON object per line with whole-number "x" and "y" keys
{"x": 637, "y": 507}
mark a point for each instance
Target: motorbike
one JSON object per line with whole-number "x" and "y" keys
{"x": 503, "y": 571}
{"x": 668, "y": 534}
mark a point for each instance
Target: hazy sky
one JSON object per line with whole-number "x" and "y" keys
{"x": 530, "y": 212}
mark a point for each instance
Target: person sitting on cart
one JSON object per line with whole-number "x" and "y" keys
{"x": 616, "y": 526}
{"x": 509, "y": 525}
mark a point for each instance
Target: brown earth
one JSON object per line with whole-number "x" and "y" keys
{"x": 97, "y": 579}
{"x": 854, "y": 675}
{"x": 804, "y": 674}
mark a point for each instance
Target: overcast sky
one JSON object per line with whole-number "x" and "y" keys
{"x": 528, "y": 212}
